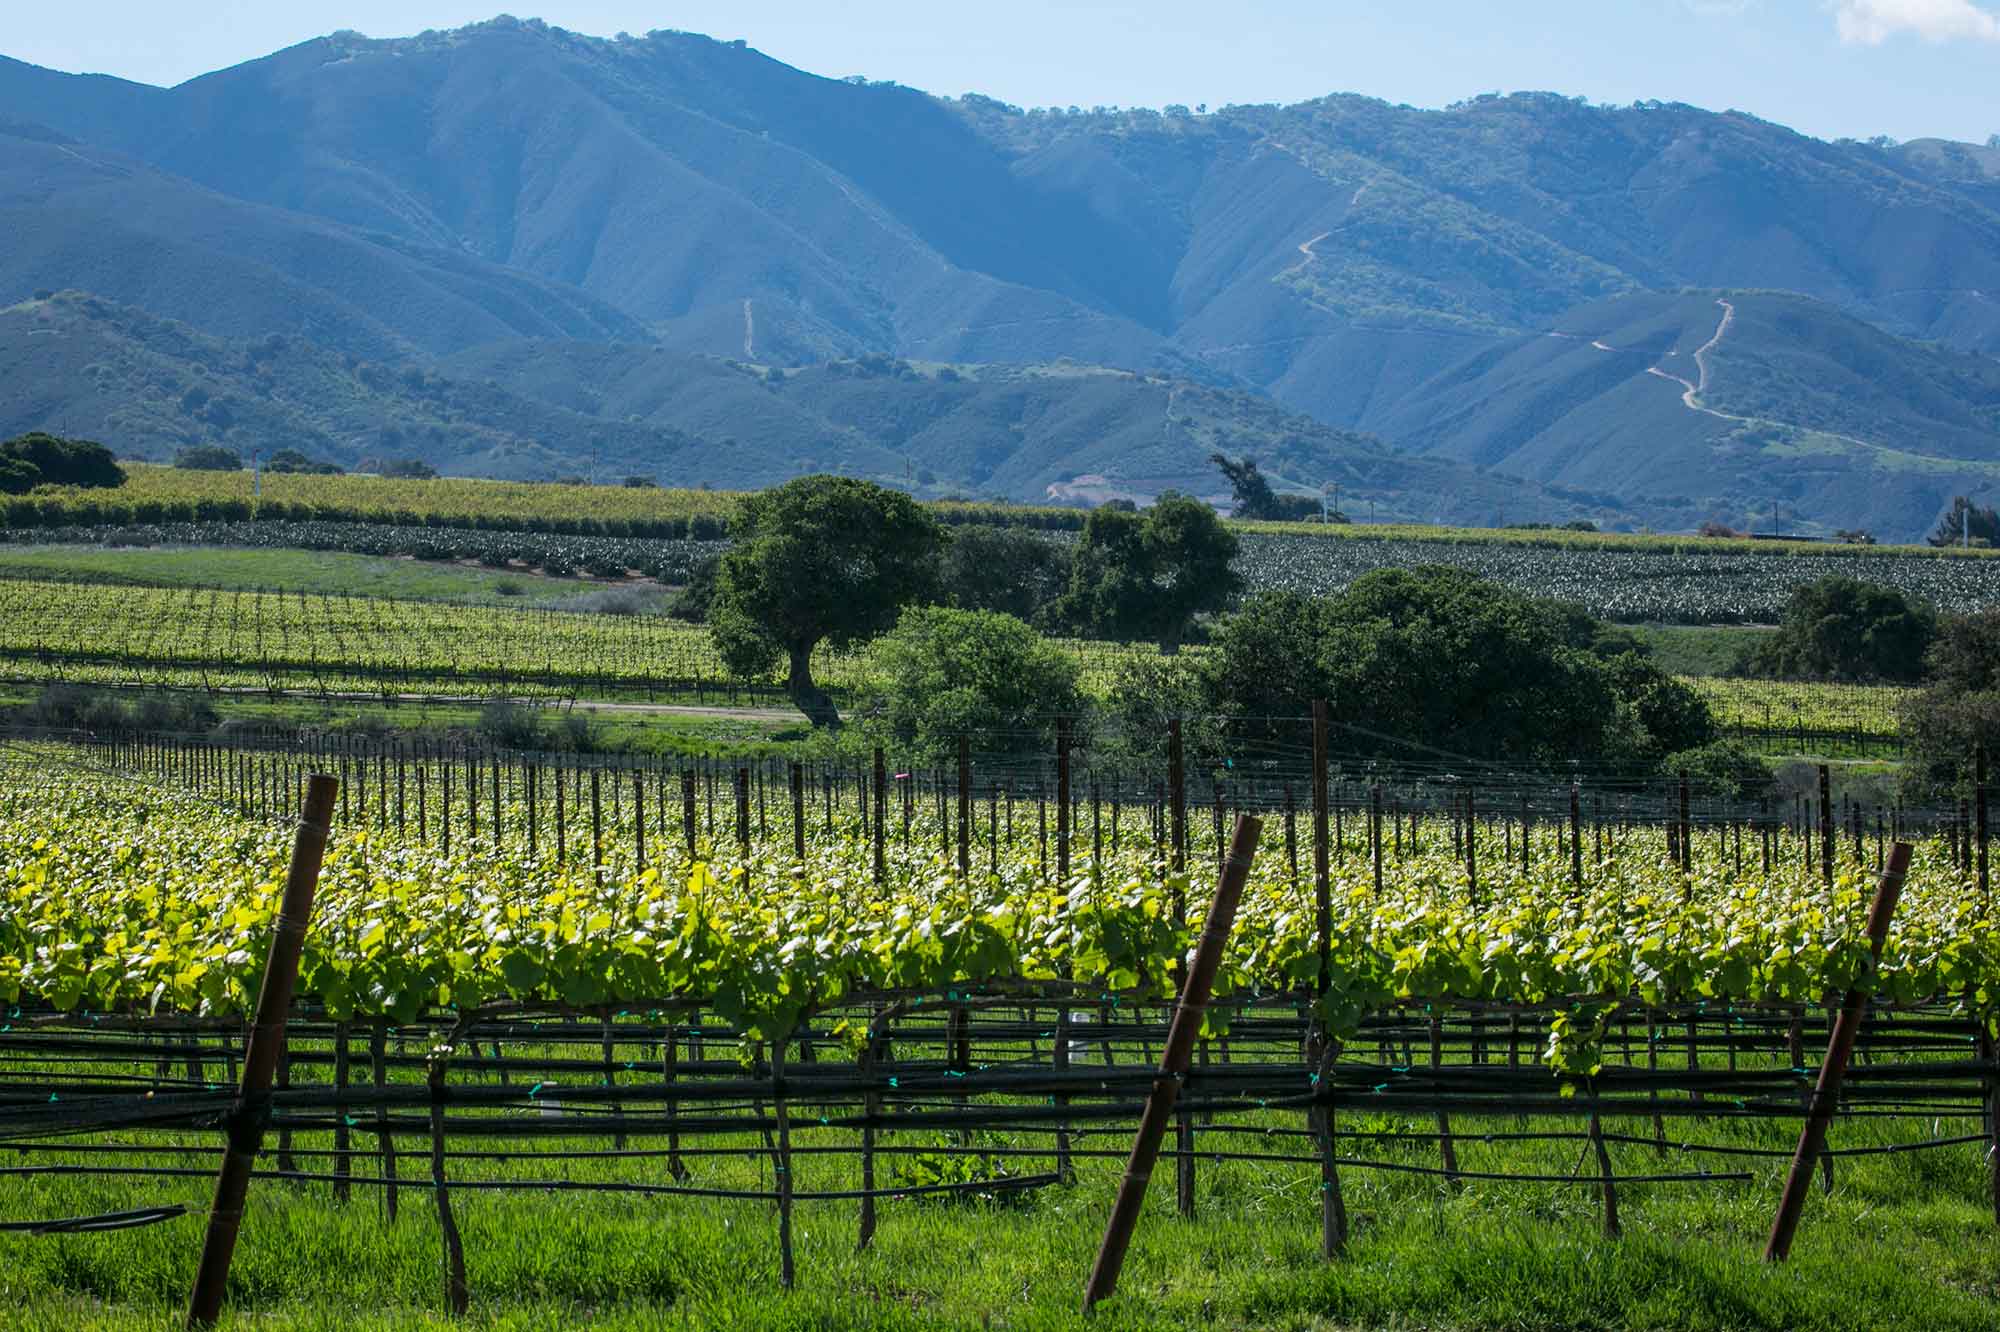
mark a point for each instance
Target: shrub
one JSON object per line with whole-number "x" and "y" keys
{"x": 50, "y": 460}
{"x": 1004, "y": 569}
{"x": 1958, "y": 710}
{"x": 1843, "y": 628}
{"x": 949, "y": 673}
{"x": 1147, "y": 576}
{"x": 505, "y": 723}
{"x": 208, "y": 458}
{"x": 1439, "y": 662}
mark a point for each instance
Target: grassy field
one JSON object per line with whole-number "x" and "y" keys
{"x": 1903, "y": 1242}
{"x": 1685, "y": 649}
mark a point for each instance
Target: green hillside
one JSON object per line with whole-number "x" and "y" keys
{"x": 1718, "y": 405}
{"x": 1374, "y": 267}
{"x": 1063, "y": 433}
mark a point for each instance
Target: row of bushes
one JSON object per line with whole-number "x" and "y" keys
{"x": 46, "y": 511}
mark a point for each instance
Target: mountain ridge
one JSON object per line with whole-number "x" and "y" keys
{"x": 423, "y": 197}
{"x": 1063, "y": 433}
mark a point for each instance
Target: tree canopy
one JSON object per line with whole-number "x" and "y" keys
{"x": 208, "y": 458}
{"x": 1958, "y": 710}
{"x": 1966, "y": 523}
{"x": 819, "y": 559}
{"x": 1846, "y": 629}
{"x": 39, "y": 459}
{"x": 1020, "y": 573}
{"x": 982, "y": 674}
{"x": 1256, "y": 500}
{"x": 1147, "y": 575}
{"x": 1440, "y": 662}
{"x": 292, "y": 460}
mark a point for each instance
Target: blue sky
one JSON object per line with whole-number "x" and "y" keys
{"x": 1906, "y": 68}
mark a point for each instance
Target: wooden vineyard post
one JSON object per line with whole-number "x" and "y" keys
{"x": 1173, "y": 1063}
{"x": 742, "y": 793}
{"x": 1686, "y": 832}
{"x": 562, "y": 819}
{"x": 1979, "y": 824}
{"x": 1576, "y": 836}
{"x": 1826, "y": 827}
{"x": 638, "y": 822}
{"x": 797, "y": 777}
{"x": 1375, "y": 833}
{"x": 1840, "y": 1044}
{"x": 690, "y": 819}
{"x": 1608, "y": 1184}
{"x": 342, "y": 1139}
{"x": 597, "y": 826}
{"x": 1472, "y": 843}
{"x": 881, "y": 823}
{"x": 1332, "y": 1204}
{"x": 1177, "y": 793}
{"x": 267, "y": 1038}
{"x": 1062, "y": 799}
{"x": 456, "y": 1293}
{"x": 378, "y": 1063}
{"x": 964, "y": 828}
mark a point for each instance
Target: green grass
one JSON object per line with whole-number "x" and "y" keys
{"x": 1698, "y": 649}
{"x": 1904, "y": 1242}
{"x": 314, "y": 571}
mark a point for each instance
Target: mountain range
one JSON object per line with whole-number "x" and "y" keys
{"x": 611, "y": 229}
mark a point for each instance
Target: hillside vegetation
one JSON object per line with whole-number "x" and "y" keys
{"x": 1716, "y": 405}
{"x": 408, "y": 200}
{"x": 536, "y": 410}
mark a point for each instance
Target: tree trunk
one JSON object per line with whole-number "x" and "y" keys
{"x": 815, "y": 702}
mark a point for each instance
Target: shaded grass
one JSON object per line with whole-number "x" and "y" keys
{"x": 1680, "y": 649}
{"x": 1894, "y": 1247}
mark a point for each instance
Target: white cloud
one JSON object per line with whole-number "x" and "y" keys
{"x": 1872, "y": 22}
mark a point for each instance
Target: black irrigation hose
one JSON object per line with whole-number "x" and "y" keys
{"x": 81, "y": 1225}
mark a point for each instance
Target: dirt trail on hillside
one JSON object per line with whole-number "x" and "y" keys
{"x": 1306, "y": 249}
{"x": 1692, "y": 389}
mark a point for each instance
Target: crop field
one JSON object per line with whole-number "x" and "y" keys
{"x": 158, "y": 494}
{"x": 1681, "y": 582}
{"x": 553, "y": 554}
{"x": 1864, "y": 718}
{"x": 680, "y": 1024}
{"x": 1691, "y": 582}
{"x": 155, "y": 494}
{"x": 292, "y": 642}
{"x": 304, "y": 643}
{"x": 485, "y": 899}
{"x": 239, "y": 640}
